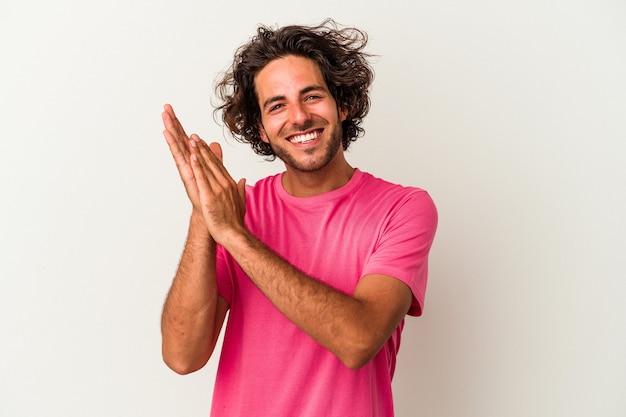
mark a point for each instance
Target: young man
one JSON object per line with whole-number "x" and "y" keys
{"x": 318, "y": 266}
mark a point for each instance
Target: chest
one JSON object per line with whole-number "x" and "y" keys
{"x": 331, "y": 243}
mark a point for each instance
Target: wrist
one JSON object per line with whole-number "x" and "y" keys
{"x": 237, "y": 240}
{"x": 197, "y": 227}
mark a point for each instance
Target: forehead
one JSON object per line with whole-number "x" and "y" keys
{"x": 286, "y": 76}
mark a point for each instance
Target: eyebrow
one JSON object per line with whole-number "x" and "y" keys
{"x": 305, "y": 90}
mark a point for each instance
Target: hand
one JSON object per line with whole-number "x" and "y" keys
{"x": 221, "y": 200}
{"x": 178, "y": 142}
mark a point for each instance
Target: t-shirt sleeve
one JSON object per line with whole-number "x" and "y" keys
{"x": 404, "y": 244}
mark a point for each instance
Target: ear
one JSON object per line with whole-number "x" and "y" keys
{"x": 343, "y": 113}
{"x": 263, "y": 133}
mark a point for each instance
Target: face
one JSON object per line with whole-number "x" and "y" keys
{"x": 299, "y": 117}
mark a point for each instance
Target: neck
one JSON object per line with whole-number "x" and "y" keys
{"x": 308, "y": 184}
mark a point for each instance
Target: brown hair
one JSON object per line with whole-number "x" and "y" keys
{"x": 337, "y": 51}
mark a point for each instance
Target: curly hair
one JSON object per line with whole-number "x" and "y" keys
{"x": 339, "y": 53}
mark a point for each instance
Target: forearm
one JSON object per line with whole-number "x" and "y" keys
{"x": 346, "y": 325}
{"x": 188, "y": 323}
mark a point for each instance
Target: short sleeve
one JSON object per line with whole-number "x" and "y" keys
{"x": 404, "y": 245}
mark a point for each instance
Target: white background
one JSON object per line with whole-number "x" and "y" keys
{"x": 510, "y": 113}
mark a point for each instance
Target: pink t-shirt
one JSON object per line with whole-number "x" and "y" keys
{"x": 270, "y": 368}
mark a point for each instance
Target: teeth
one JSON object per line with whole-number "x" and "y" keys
{"x": 303, "y": 138}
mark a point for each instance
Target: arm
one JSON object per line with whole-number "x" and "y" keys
{"x": 353, "y": 327}
{"x": 193, "y": 313}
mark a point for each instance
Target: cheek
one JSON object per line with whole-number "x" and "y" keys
{"x": 271, "y": 128}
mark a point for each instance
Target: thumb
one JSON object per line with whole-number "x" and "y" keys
{"x": 241, "y": 188}
{"x": 216, "y": 148}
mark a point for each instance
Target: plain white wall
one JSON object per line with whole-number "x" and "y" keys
{"x": 511, "y": 113}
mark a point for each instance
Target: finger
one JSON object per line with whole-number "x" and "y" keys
{"x": 185, "y": 171}
{"x": 177, "y": 143}
{"x": 216, "y": 148}
{"x": 169, "y": 116}
{"x": 174, "y": 143}
{"x": 202, "y": 173}
{"x": 218, "y": 179}
{"x": 241, "y": 188}
{"x": 199, "y": 158}
{"x": 218, "y": 173}
{"x": 213, "y": 181}
{"x": 212, "y": 154}
{"x": 173, "y": 125}
{"x": 180, "y": 152}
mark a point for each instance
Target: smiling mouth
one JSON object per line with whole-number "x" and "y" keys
{"x": 306, "y": 137}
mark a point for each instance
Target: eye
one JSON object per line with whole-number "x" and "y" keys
{"x": 312, "y": 97}
{"x": 275, "y": 107}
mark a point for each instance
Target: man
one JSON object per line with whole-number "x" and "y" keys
{"x": 318, "y": 266}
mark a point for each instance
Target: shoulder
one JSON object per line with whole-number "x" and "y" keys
{"x": 397, "y": 196}
{"x": 263, "y": 189}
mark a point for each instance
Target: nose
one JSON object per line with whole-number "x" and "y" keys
{"x": 298, "y": 114}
